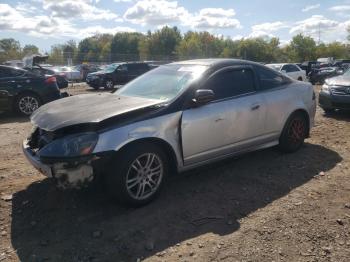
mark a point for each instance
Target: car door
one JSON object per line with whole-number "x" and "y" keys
{"x": 230, "y": 123}
{"x": 278, "y": 100}
{"x": 133, "y": 71}
{"x": 121, "y": 74}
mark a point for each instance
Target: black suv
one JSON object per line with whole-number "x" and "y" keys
{"x": 24, "y": 92}
{"x": 116, "y": 74}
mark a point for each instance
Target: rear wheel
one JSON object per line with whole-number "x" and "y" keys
{"x": 26, "y": 104}
{"x": 294, "y": 133}
{"x": 137, "y": 177}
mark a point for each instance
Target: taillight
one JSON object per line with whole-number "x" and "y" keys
{"x": 50, "y": 80}
{"x": 313, "y": 95}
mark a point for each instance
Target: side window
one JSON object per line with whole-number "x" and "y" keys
{"x": 231, "y": 83}
{"x": 288, "y": 68}
{"x": 269, "y": 79}
{"x": 291, "y": 68}
{"x": 124, "y": 67}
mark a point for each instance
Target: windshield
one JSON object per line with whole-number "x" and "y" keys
{"x": 110, "y": 68}
{"x": 163, "y": 83}
{"x": 275, "y": 67}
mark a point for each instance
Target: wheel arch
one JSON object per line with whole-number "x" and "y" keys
{"x": 305, "y": 114}
{"x": 25, "y": 92}
{"x": 164, "y": 145}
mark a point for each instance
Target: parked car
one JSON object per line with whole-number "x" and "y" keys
{"x": 24, "y": 92}
{"x": 85, "y": 69}
{"x": 69, "y": 72}
{"x": 326, "y": 60}
{"x": 335, "y": 93}
{"x": 319, "y": 75}
{"x": 33, "y": 64}
{"x": 14, "y": 63}
{"x": 291, "y": 70}
{"x": 116, "y": 74}
{"x": 308, "y": 66}
{"x": 182, "y": 115}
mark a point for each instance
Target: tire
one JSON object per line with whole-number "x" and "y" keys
{"x": 293, "y": 134}
{"x": 125, "y": 179}
{"x": 27, "y": 103}
{"x": 109, "y": 84}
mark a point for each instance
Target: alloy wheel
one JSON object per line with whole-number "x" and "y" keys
{"x": 144, "y": 176}
{"x": 28, "y": 104}
{"x": 296, "y": 132}
{"x": 109, "y": 84}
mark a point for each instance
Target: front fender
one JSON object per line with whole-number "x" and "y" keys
{"x": 164, "y": 127}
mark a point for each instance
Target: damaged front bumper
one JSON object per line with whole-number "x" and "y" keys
{"x": 75, "y": 173}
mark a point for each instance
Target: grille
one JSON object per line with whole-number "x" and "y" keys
{"x": 342, "y": 91}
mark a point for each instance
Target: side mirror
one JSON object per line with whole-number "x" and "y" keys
{"x": 203, "y": 96}
{"x": 284, "y": 71}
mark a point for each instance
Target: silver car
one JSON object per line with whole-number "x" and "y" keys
{"x": 178, "y": 116}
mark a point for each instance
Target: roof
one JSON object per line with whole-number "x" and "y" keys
{"x": 216, "y": 62}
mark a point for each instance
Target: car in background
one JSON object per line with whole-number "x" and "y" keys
{"x": 292, "y": 70}
{"x": 24, "y": 92}
{"x": 319, "y": 75}
{"x": 175, "y": 117}
{"x": 335, "y": 93}
{"x": 34, "y": 64}
{"x": 116, "y": 74}
{"x": 85, "y": 69}
{"x": 14, "y": 63}
{"x": 69, "y": 72}
{"x": 308, "y": 66}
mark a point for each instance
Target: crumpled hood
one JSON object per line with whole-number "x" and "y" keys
{"x": 87, "y": 108}
{"x": 339, "y": 81}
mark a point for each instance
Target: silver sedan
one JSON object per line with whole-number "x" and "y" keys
{"x": 178, "y": 116}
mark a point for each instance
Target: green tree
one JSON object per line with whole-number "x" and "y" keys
{"x": 9, "y": 49}
{"x": 200, "y": 45}
{"x": 56, "y": 55}
{"x": 69, "y": 50}
{"x": 161, "y": 44}
{"x": 303, "y": 48}
{"x": 125, "y": 46}
{"x": 30, "y": 50}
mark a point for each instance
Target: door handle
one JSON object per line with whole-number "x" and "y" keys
{"x": 255, "y": 107}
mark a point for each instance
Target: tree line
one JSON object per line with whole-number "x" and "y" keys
{"x": 169, "y": 44}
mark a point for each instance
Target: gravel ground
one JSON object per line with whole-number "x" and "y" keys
{"x": 263, "y": 206}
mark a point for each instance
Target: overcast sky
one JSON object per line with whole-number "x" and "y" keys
{"x": 46, "y": 22}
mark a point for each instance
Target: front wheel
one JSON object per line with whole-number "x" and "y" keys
{"x": 26, "y": 104}
{"x": 109, "y": 84}
{"x": 294, "y": 133}
{"x": 137, "y": 177}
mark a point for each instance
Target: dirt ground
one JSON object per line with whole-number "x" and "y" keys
{"x": 263, "y": 206}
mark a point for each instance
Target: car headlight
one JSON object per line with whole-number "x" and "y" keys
{"x": 70, "y": 146}
{"x": 325, "y": 88}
